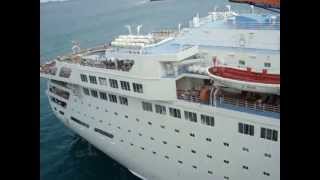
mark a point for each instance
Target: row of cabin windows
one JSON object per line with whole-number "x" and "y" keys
{"x": 243, "y": 63}
{"x": 113, "y": 83}
{"x": 266, "y": 133}
{"x": 269, "y": 134}
{"x": 174, "y": 112}
{"x": 103, "y": 96}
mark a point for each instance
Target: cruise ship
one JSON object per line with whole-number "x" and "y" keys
{"x": 197, "y": 102}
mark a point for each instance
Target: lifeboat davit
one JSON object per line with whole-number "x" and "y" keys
{"x": 246, "y": 80}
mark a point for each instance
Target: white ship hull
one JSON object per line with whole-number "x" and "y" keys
{"x": 126, "y": 147}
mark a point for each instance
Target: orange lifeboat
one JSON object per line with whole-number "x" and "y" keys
{"x": 204, "y": 94}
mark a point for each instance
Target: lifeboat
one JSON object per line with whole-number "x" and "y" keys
{"x": 246, "y": 80}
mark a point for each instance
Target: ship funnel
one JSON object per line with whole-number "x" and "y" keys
{"x": 138, "y": 29}
{"x": 129, "y": 29}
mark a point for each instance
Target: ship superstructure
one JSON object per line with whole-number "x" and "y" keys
{"x": 201, "y": 102}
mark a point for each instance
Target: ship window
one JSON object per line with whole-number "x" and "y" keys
{"x": 226, "y": 144}
{"x": 142, "y": 148}
{"x": 103, "y": 81}
{"x": 246, "y": 129}
{"x": 209, "y": 156}
{"x": 208, "y": 139}
{"x": 193, "y": 151}
{"x": 152, "y": 138}
{"x": 93, "y": 79}
{"x": 245, "y": 167}
{"x": 83, "y": 78}
{"x": 154, "y": 152}
{"x": 164, "y": 142}
{"x": 175, "y": 112}
{"x": 226, "y": 161}
{"x": 207, "y": 120}
{"x": 113, "y": 98}
{"x": 245, "y": 149}
{"x": 131, "y": 144}
{"x": 179, "y": 147}
{"x": 191, "y": 116}
{"x": 160, "y": 109}
{"x": 79, "y": 122}
{"x": 226, "y": 177}
{"x": 137, "y": 88}
{"x": 209, "y": 172}
{"x": 147, "y": 106}
{"x": 113, "y": 83}
{"x": 269, "y": 134}
{"x": 267, "y": 64}
{"x": 94, "y": 93}
{"x": 192, "y": 134}
{"x": 162, "y": 126}
{"x": 267, "y": 155}
{"x": 103, "y": 95}
{"x": 265, "y": 173}
{"x": 195, "y": 167}
{"x": 140, "y": 134}
{"x": 123, "y": 100}
{"x": 177, "y": 130}
{"x": 150, "y": 123}
{"x": 167, "y": 157}
{"x": 242, "y": 62}
{"x": 125, "y": 85}
{"x": 86, "y": 91}
{"x": 180, "y": 162}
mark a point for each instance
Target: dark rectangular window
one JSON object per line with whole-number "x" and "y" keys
{"x": 103, "y": 81}
{"x": 137, "y": 88}
{"x": 190, "y": 116}
{"x": 79, "y": 122}
{"x": 86, "y": 91}
{"x": 93, "y": 79}
{"x": 147, "y": 106}
{"x": 246, "y": 129}
{"x": 125, "y": 85}
{"x": 270, "y": 134}
{"x": 123, "y": 100}
{"x": 175, "y": 112}
{"x": 112, "y": 98}
{"x": 207, "y": 120}
{"x": 94, "y": 93}
{"x": 113, "y": 83}
{"x": 109, "y": 135}
{"x": 103, "y": 95}
{"x": 160, "y": 109}
{"x": 84, "y": 78}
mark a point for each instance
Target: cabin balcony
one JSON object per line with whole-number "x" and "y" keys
{"x": 268, "y": 105}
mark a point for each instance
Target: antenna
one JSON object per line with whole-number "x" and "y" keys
{"x": 138, "y": 29}
{"x": 229, "y": 7}
{"x": 129, "y": 28}
{"x": 252, "y": 9}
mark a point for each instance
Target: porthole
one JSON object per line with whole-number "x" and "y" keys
{"x": 177, "y": 130}
{"x": 209, "y": 172}
{"x": 140, "y": 134}
{"x": 209, "y": 156}
{"x": 164, "y": 142}
{"x": 179, "y": 147}
{"x": 162, "y": 126}
{"x": 149, "y": 123}
{"x": 192, "y": 135}
{"x": 267, "y": 155}
{"x": 226, "y": 144}
{"x": 137, "y": 119}
{"x": 180, "y": 162}
{"x": 208, "y": 139}
{"x": 226, "y": 177}
{"x": 131, "y": 144}
{"x": 194, "y": 167}
{"x": 115, "y": 113}
{"x": 126, "y": 116}
{"x": 167, "y": 157}
{"x": 245, "y": 167}
{"x": 142, "y": 148}
{"x": 245, "y": 149}
{"x": 226, "y": 161}
{"x": 129, "y": 130}
{"x": 193, "y": 151}
{"x": 154, "y": 152}
{"x": 265, "y": 173}
{"x": 152, "y": 138}
{"x": 106, "y": 110}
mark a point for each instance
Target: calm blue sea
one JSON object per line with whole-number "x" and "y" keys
{"x": 64, "y": 155}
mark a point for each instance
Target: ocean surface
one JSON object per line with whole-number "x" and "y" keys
{"x": 63, "y": 154}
